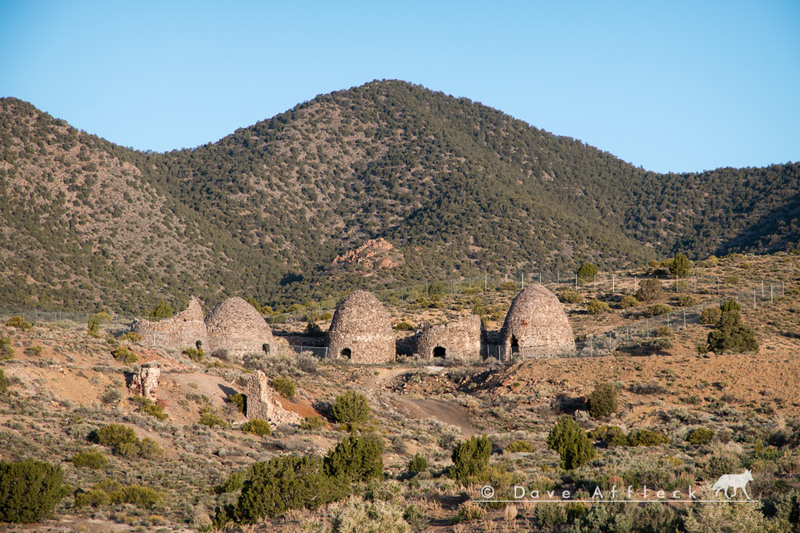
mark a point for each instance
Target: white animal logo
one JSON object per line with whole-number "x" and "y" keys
{"x": 737, "y": 481}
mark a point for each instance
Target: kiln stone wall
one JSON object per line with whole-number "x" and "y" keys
{"x": 461, "y": 339}
{"x": 361, "y": 328}
{"x": 537, "y": 322}
{"x": 261, "y": 402}
{"x": 179, "y": 332}
{"x": 236, "y": 326}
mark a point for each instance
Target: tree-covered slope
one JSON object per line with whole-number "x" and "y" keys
{"x": 456, "y": 187}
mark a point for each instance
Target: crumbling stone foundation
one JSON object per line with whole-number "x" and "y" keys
{"x": 261, "y": 402}
{"x": 145, "y": 383}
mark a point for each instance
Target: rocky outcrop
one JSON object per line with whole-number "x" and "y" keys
{"x": 236, "y": 326}
{"x": 536, "y": 325}
{"x": 373, "y": 255}
{"x": 461, "y": 339}
{"x": 179, "y": 332}
{"x": 261, "y": 402}
{"x": 361, "y": 331}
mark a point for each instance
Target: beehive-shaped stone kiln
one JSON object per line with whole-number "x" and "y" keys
{"x": 461, "y": 339}
{"x": 236, "y": 326}
{"x": 361, "y": 331}
{"x": 536, "y": 325}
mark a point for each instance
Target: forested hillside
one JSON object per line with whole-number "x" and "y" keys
{"x": 456, "y": 187}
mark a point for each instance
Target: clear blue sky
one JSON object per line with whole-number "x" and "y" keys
{"x": 670, "y": 86}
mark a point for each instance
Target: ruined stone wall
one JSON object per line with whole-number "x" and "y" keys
{"x": 361, "y": 327}
{"x": 537, "y": 323}
{"x": 461, "y": 339}
{"x": 236, "y": 326}
{"x": 179, "y": 332}
{"x": 145, "y": 383}
{"x": 261, "y": 402}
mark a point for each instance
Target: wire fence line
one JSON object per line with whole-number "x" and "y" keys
{"x": 752, "y": 296}
{"x": 720, "y": 286}
{"x": 642, "y": 331}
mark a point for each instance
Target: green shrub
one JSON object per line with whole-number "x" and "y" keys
{"x": 115, "y": 435}
{"x": 150, "y": 449}
{"x": 603, "y": 400}
{"x": 596, "y": 307}
{"x": 124, "y": 355}
{"x": 123, "y": 441}
{"x": 730, "y": 280}
{"x": 286, "y": 483}
{"x": 628, "y": 301}
{"x": 687, "y": 300}
{"x": 437, "y": 289}
{"x": 700, "y": 436}
{"x": 286, "y": 387}
{"x": 195, "y": 354}
{"x": 93, "y": 325}
{"x": 162, "y": 310}
{"x": 415, "y": 518}
{"x": 351, "y": 408}
{"x": 90, "y": 459}
{"x": 468, "y": 511}
{"x": 664, "y": 331}
{"x": 252, "y": 301}
{"x": 571, "y": 442}
{"x": 570, "y": 296}
{"x": 721, "y": 463}
{"x": 356, "y": 458}
{"x": 327, "y": 315}
{"x": 3, "y": 382}
{"x": 34, "y": 351}
{"x": 93, "y": 497}
{"x": 550, "y": 515}
{"x": 239, "y": 400}
{"x": 730, "y": 334}
{"x": 470, "y": 459}
{"x": 234, "y": 482}
{"x": 680, "y": 266}
{"x": 19, "y": 323}
{"x": 649, "y": 290}
{"x": 258, "y": 427}
{"x": 657, "y": 310}
{"x": 404, "y": 326}
{"x": 710, "y": 315}
{"x": 611, "y": 435}
{"x": 586, "y": 273}
{"x": 520, "y": 446}
{"x": 417, "y": 464}
{"x": 148, "y": 407}
{"x": 6, "y": 351}
{"x": 646, "y": 437}
{"x": 311, "y": 423}
{"x": 29, "y": 490}
{"x": 508, "y": 286}
{"x": 131, "y": 336}
{"x": 142, "y": 497}
{"x": 207, "y": 418}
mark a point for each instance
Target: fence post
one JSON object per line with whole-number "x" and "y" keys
{"x": 613, "y": 283}
{"x": 770, "y": 293}
{"x": 522, "y": 278}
